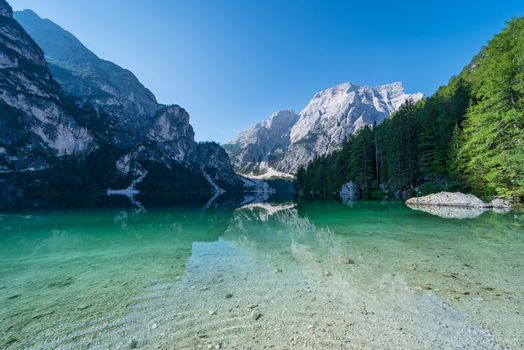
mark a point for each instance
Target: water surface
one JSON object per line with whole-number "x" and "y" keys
{"x": 307, "y": 276}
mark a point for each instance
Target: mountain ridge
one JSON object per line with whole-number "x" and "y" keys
{"x": 331, "y": 117}
{"x": 90, "y": 124}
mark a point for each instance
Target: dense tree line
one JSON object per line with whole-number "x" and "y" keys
{"x": 468, "y": 135}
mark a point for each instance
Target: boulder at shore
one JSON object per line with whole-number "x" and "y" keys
{"x": 350, "y": 192}
{"x": 449, "y": 199}
{"x": 456, "y": 199}
{"x": 448, "y": 212}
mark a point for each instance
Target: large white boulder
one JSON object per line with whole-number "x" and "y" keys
{"x": 449, "y": 199}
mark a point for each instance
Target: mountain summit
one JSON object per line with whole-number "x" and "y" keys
{"x": 37, "y": 124}
{"x": 73, "y": 122}
{"x": 330, "y": 118}
{"x": 262, "y": 147}
{"x": 115, "y": 91}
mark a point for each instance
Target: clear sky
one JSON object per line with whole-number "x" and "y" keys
{"x": 232, "y": 63}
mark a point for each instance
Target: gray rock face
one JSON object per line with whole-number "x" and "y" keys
{"x": 169, "y": 139}
{"x": 350, "y": 192}
{"x": 449, "y": 199}
{"x": 112, "y": 90}
{"x": 262, "y": 147}
{"x": 108, "y": 125}
{"x": 333, "y": 115}
{"x": 285, "y": 142}
{"x": 36, "y": 124}
{"x": 215, "y": 162}
{"x": 501, "y": 203}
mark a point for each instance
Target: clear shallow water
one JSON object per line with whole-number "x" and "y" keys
{"x": 313, "y": 275}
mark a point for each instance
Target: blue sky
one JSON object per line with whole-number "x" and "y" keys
{"x": 232, "y": 63}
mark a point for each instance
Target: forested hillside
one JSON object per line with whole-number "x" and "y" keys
{"x": 469, "y": 135}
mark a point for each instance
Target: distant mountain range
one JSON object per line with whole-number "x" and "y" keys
{"x": 287, "y": 141}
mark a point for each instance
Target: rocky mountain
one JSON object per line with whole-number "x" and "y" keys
{"x": 73, "y": 122}
{"x": 333, "y": 115}
{"x": 330, "y": 118}
{"x": 262, "y": 147}
{"x": 112, "y": 90}
{"x": 37, "y": 123}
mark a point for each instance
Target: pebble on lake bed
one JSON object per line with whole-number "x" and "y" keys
{"x": 255, "y": 315}
{"x": 229, "y": 295}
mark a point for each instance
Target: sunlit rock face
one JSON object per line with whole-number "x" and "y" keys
{"x": 129, "y": 113}
{"x": 261, "y": 147}
{"x": 333, "y": 115}
{"x": 287, "y": 141}
{"x": 114, "y": 91}
{"x": 60, "y": 101}
{"x": 38, "y": 124}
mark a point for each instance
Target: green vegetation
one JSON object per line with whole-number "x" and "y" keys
{"x": 469, "y": 135}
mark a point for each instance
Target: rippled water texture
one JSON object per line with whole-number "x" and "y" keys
{"x": 307, "y": 276}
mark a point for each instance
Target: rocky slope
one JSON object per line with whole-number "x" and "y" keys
{"x": 37, "y": 124}
{"x": 330, "y": 118}
{"x": 333, "y": 115}
{"x": 98, "y": 127}
{"x": 261, "y": 147}
{"x": 113, "y": 90}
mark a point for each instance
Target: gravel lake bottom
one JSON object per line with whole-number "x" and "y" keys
{"x": 311, "y": 275}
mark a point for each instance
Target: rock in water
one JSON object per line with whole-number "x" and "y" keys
{"x": 501, "y": 203}
{"x": 449, "y": 199}
{"x": 255, "y": 315}
{"x": 448, "y": 212}
{"x": 350, "y": 192}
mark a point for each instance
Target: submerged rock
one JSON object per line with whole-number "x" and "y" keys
{"x": 61, "y": 283}
{"x": 255, "y": 315}
{"x": 448, "y": 199}
{"x": 350, "y": 192}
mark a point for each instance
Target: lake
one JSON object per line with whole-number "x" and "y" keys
{"x": 281, "y": 275}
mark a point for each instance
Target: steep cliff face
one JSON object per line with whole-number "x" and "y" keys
{"x": 333, "y": 115}
{"x": 286, "y": 141}
{"x": 112, "y": 90}
{"x": 215, "y": 163}
{"x": 105, "y": 130}
{"x": 37, "y": 125}
{"x": 260, "y": 148}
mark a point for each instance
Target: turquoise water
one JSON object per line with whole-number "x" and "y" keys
{"x": 271, "y": 275}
